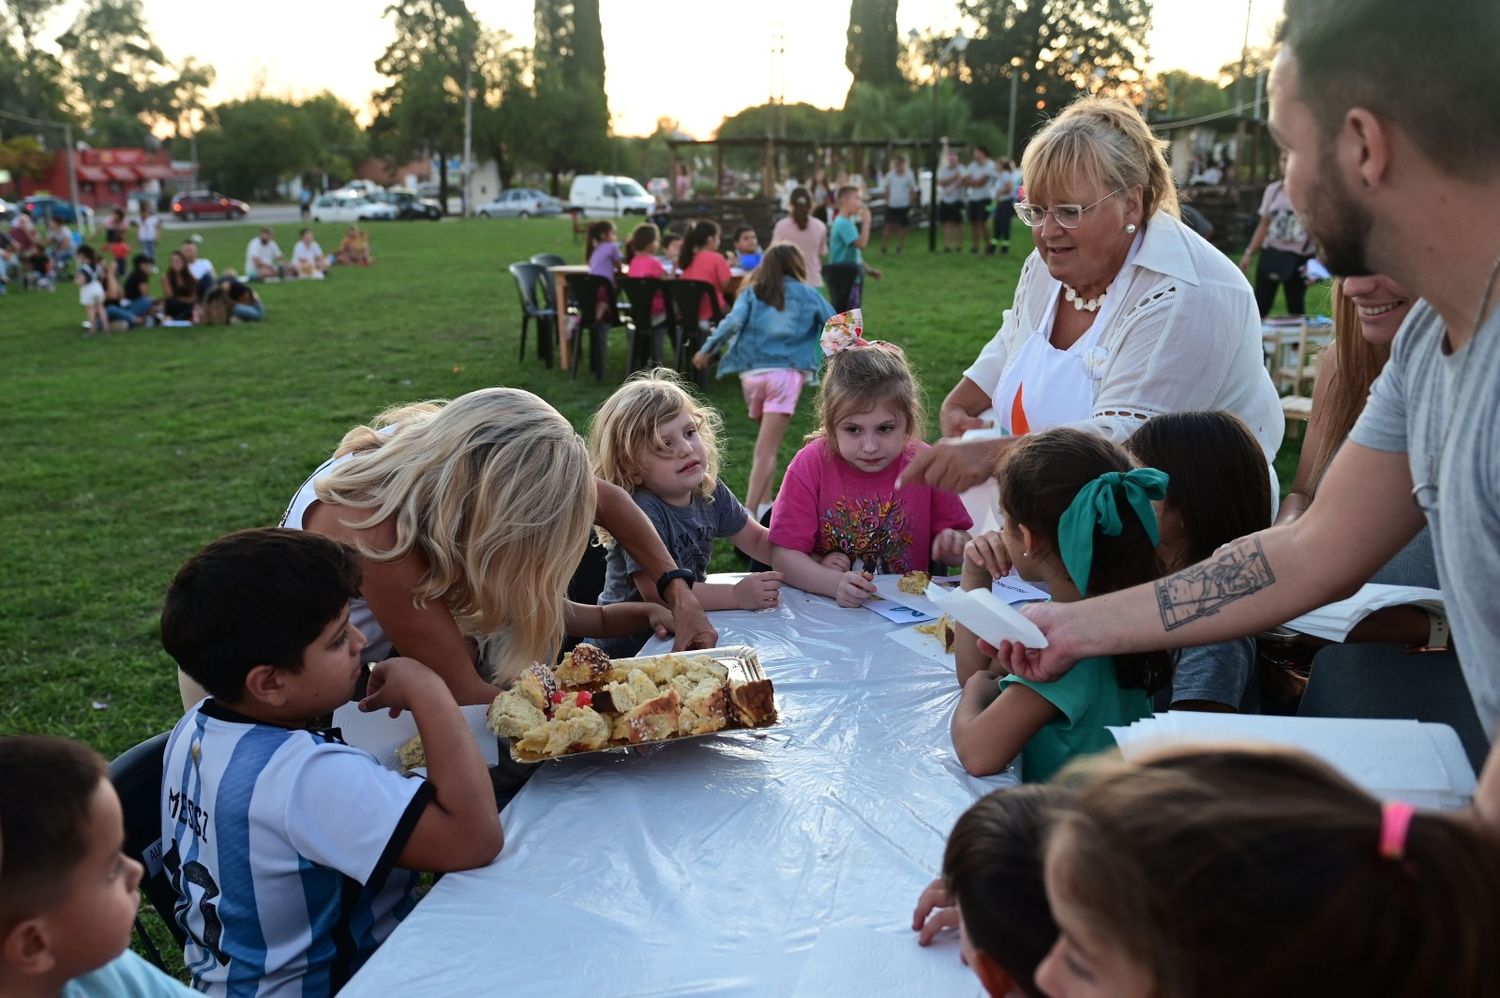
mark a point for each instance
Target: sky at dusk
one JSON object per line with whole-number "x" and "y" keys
{"x": 295, "y": 48}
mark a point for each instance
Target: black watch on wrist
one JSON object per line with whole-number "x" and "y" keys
{"x": 672, "y": 576}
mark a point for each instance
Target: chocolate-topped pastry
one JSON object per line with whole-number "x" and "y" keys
{"x": 583, "y": 666}
{"x": 752, "y": 703}
{"x": 537, "y": 684}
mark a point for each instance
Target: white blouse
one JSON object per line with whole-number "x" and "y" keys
{"x": 1184, "y": 336}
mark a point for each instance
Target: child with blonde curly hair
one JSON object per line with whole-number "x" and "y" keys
{"x": 656, "y": 441}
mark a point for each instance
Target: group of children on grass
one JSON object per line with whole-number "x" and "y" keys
{"x": 1191, "y": 873}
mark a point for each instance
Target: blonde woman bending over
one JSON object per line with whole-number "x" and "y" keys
{"x": 471, "y": 517}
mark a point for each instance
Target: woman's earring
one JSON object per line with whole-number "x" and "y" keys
{"x": 1025, "y": 554}
{"x": 1130, "y": 228}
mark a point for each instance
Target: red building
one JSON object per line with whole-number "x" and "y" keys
{"x": 109, "y": 177}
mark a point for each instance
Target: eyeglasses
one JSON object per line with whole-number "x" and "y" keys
{"x": 1067, "y": 215}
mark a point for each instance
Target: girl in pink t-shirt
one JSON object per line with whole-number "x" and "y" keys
{"x": 839, "y": 514}
{"x": 641, "y": 261}
{"x": 699, "y": 260}
{"x": 807, "y": 233}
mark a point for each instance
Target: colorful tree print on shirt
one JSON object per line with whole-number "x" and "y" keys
{"x": 874, "y": 530}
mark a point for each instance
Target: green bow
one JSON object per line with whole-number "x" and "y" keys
{"x": 1098, "y": 505}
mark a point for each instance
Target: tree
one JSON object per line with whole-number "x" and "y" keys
{"x": 428, "y": 63}
{"x": 1062, "y": 48}
{"x": 874, "y": 44}
{"x": 249, "y": 146}
{"x": 340, "y": 143}
{"x": 23, "y": 156}
{"x": 571, "y": 113}
{"x": 31, "y": 79}
{"x": 114, "y": 66}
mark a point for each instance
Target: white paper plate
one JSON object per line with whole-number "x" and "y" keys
{"x": 989, "y": 617}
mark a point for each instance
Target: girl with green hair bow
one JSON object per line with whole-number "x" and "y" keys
{"x": 1078, "y": 520}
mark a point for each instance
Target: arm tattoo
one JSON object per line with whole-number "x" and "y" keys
{"x": 1206, "y": 588}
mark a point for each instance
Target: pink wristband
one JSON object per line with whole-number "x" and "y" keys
{"x": 1395, "y": 821}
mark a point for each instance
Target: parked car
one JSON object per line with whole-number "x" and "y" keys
{"x": 44, "y": 206}
{"x": 207, "y": 204}
{"x": 341, "y": 206}
{"x": 368, "y": 188}
{"x": 597, "y": 195}
{"x": 520, "y": 202}
{"x": 7, "y": 210}
{"x": 408, "y": 205}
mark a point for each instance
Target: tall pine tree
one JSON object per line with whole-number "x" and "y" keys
{"x": 874, "y": 43}
{"x": 572, "y": 112}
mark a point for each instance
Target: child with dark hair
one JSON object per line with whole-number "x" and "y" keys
{"x": 601, "y": 249}
{"x": 992, "y": 889}
{"x": 747, "y": 254}
{"x": 699, "y": 260}
{"x": 90, "y": 281}
{"x": 68, "y": 895}
{"x": 295, "y": 855}
{"x": 1079, "y": 520}
{"x": 671, "y": 246}
{"x": 1208, "y": 504}
{"x": 1239, "y": 872}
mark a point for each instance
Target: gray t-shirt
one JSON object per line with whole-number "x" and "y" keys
{"x": 687, "y": 531}
{"x": 1411, "y": 405}
{"x": 1220, "y": 673}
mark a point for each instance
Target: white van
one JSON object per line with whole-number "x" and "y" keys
{"x": 600, "y": 196}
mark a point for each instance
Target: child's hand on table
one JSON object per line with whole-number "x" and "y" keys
{"x": 758, "y": 591}
{"x": 948, "y": 546}
{"x": 660, "y": 619}
{"x": 853, "y": 589}
{"x": 935, "y": 912}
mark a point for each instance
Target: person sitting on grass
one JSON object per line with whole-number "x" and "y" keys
{"x": 308, "y": 258}
{"x": 264, "y": 260}
{"x": 232, "y": 300}
{"x": 293, "y": 854}
{"x": 201, "y": 268}
{"x": 68, "y": 894}
{"x": 138, "y": 301}
{"x": 354, "y": 250}
{"x": 179, "y": 289}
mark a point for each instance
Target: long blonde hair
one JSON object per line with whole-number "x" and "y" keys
{"x": 626, "y": 427}
{"x": 494, "y": 490}
{"x": 1106, "y": 141}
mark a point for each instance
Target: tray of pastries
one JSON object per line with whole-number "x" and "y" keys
{"x": 590, "y": 703}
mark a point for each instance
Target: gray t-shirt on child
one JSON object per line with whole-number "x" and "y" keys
{"x": 687, "y": 531}
{"x": 1221, "y": 673}
{"x": 1422, "y": 395}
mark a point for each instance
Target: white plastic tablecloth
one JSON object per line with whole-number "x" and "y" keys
{"x": 778, "y": 863}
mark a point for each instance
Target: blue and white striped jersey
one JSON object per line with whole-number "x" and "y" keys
{"x": 281, "y": 845}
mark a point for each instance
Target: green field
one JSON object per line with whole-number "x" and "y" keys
{"x": 127, "y": 453}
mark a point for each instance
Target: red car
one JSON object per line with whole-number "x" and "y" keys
{"x": 207, "y": 204}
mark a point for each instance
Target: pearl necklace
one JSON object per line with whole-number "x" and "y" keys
{"x": 1079, "y": 304}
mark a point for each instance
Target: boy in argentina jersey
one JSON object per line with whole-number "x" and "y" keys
{"x": 294, "y": 855}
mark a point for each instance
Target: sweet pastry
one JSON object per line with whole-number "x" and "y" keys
{"x": 572, "y": 729}
{"x": 752, "y": 702}
{"x": 914, "y": 583}
{"x": 537, "y": 684}
{"x": 411, "y": 755}
{"x": 583, "y": 666}
{"x": 637, "y": 689}
{"x": 512, "y": 715}
{"x": 942, "y": 629}
{"x": 704, "y": 706}
{"x": 654, "y": 719}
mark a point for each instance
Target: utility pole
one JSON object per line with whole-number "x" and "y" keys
{"x": 468, "y": 125}
{"x": 72, "y": 177}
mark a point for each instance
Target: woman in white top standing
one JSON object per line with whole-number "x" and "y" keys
{"x": 1122, "y": 312}
{"x": 807, "y": 232}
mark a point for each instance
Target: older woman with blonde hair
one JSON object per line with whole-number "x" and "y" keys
{"x": 471, "y": 517}
{"x": 1121, "y": 313}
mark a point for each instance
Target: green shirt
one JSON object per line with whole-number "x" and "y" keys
{"x": 1089, "y": 697}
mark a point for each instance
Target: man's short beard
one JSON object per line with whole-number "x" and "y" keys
{"x": 1338, "y": 224}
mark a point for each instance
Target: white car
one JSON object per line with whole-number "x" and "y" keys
{"x": 346, "y": 206}
{"x": 520, "y": 202}
{"x": 600, "y": 196}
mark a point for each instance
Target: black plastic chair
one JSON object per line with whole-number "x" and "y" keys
{"x": 529, "y": 278}
{"x": 591, "y": 292}
{"x": 1387, "y": 681}
{"x": 687, "y": 299}
{"x": 647, "y": 345}
{"x": 548, "y": 260}
{"x": 137, "y": 775}
{"x": 843, "y": 280}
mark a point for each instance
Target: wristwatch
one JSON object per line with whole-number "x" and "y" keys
{"x": 672, "y": 576}
{"x": 1438, "y": 632}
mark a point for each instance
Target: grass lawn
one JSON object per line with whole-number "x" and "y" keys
{"x": 128, "y": 453}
